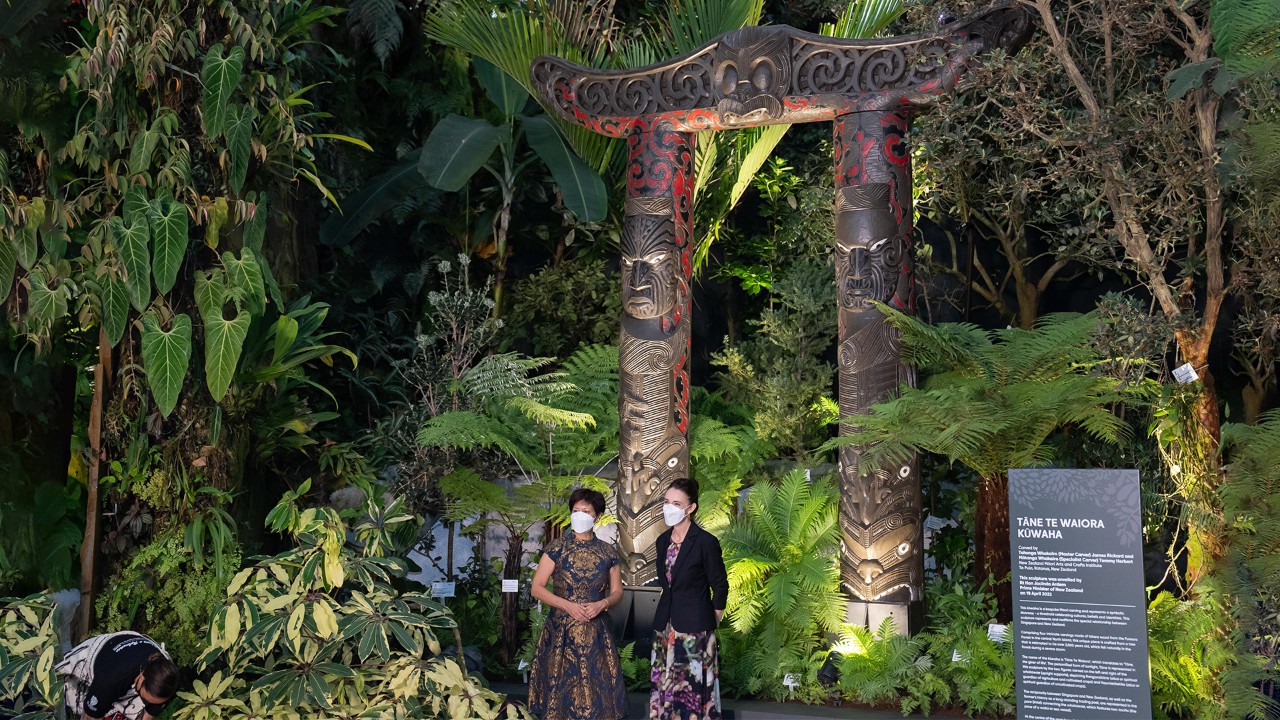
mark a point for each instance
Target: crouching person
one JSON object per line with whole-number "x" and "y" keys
{"x": 120, "y": 676}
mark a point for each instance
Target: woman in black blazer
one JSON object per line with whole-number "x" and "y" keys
{"x": 695, "y": 587}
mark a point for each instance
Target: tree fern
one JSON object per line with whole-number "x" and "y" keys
{"x": 468, "y": 430}
{"x": 1250, "y": 573}
{"x": 1246, "y": 34}
{"x": 377, "y": 22}
{"x": 992, "y": 401}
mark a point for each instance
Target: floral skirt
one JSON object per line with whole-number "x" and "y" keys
{"x": 686, "y": 676}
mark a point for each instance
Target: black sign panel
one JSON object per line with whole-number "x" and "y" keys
{"x": 1079, "y": 606}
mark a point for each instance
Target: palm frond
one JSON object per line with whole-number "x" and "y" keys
{"x": 692, "y": 23}
{"x": 511, "y": 39}
{"x": 864, "y": 18}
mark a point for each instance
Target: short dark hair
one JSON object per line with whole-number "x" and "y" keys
{"x": 592, "y": 496}
{"x": 160, "y": 676}
{"x": 688, "y": 486}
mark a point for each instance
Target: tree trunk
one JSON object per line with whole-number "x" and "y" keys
{"x": 991, "y": 544}
{"x": 92, "y": 531}
{"x": 510, "y": 605}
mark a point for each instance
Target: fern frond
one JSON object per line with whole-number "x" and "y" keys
{"x": 378, "y": 23}
{"x": 547, "y": 415}
{"x": 466, "y": 430}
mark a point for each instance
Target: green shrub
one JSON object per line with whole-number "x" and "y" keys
{"x": 29, "y": 688}
{"x": 783, "y": 587}
{"x": 320, "y": 631}
{"x": 1188, "y": 652}
{"x": 779, "y": 372}
{"x": 162, "y": 593}
{"x": 565, "y": 306}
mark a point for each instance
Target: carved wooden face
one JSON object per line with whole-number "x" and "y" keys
{"x": 868, "y": 248}
{"x": 649, "y": 267}
{"x": 751, "y": 71}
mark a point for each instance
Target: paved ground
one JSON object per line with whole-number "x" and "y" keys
{"x": 741, "y": 709}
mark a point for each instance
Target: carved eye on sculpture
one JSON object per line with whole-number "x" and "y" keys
{"x": 904, "y": 549}
{"x": 673, "y": 462}
{"x": 879, "y": 244}
{"x": 728, "y": 78}
{"x": 762, "y": 75}
{"x": 904, "y": 471}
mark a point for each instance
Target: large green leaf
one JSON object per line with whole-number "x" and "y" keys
{"x": 165, "y": 357}
{"x": 1189, "y": 77}
{"x": 131, "y": 242}
{"x": 136, "y": 204}
{"x": 32, "y": 218}
{"x": 370, "y": 202}
{"x": 211, "y": 293}
{"x": 223, "y": 341}
{"x": 239, "y": 136}
{"x": 216, "y": 215}
{"x": 509, "y": 95}
{"x": 8, "y": 262}
{"x": 220, "y": 76}
{"x": 456, "y": 149}
{"x": 115, "y": 307}
{"x": 285, "y": 336}
{"x": 54, "y": 238}
{"x": 144, "y": 146}
{"x": 583, "y": 189}
{"x": 245, "y": 274}
{"x": 170, "y": 233}
{"x": 26, "y": 246}
{"x": 45, "y": 305}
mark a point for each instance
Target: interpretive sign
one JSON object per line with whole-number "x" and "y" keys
{"x": 1079, "y": 607}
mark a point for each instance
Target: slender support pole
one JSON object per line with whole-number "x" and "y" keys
{"x": 881, "y": 566}
{"x": 653, "y": 409}
{"x": 92, "y": 528}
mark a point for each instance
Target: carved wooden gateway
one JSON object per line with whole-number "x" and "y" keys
{"x": 765, "y": 76}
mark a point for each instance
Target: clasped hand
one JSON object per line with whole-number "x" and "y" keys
{"x": 585, "y": 612}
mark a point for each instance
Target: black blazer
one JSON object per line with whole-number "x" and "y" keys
{"x": 699, "y": 584}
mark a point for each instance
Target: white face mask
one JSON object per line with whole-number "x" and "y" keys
{"x": 581, "y": 522}
{"x": 672, "y": 514}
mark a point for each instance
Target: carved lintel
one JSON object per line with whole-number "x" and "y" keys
{"x": 775, "y": 74}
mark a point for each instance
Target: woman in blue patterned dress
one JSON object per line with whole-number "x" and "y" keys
{"x": 686, "y": 661}
{"x": 576, "y": 675}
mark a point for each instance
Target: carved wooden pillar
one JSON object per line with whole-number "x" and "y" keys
{"x": 881, "y": 566}
{"x": 653, "y": 409}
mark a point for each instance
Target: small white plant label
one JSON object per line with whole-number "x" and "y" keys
{"x": 510, "y": 586}
{"x": 997, "y": 632}
{"x": 791, "y": 682}
{"x": 443, "y": 589}
{"x": 1185, "y": 373}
